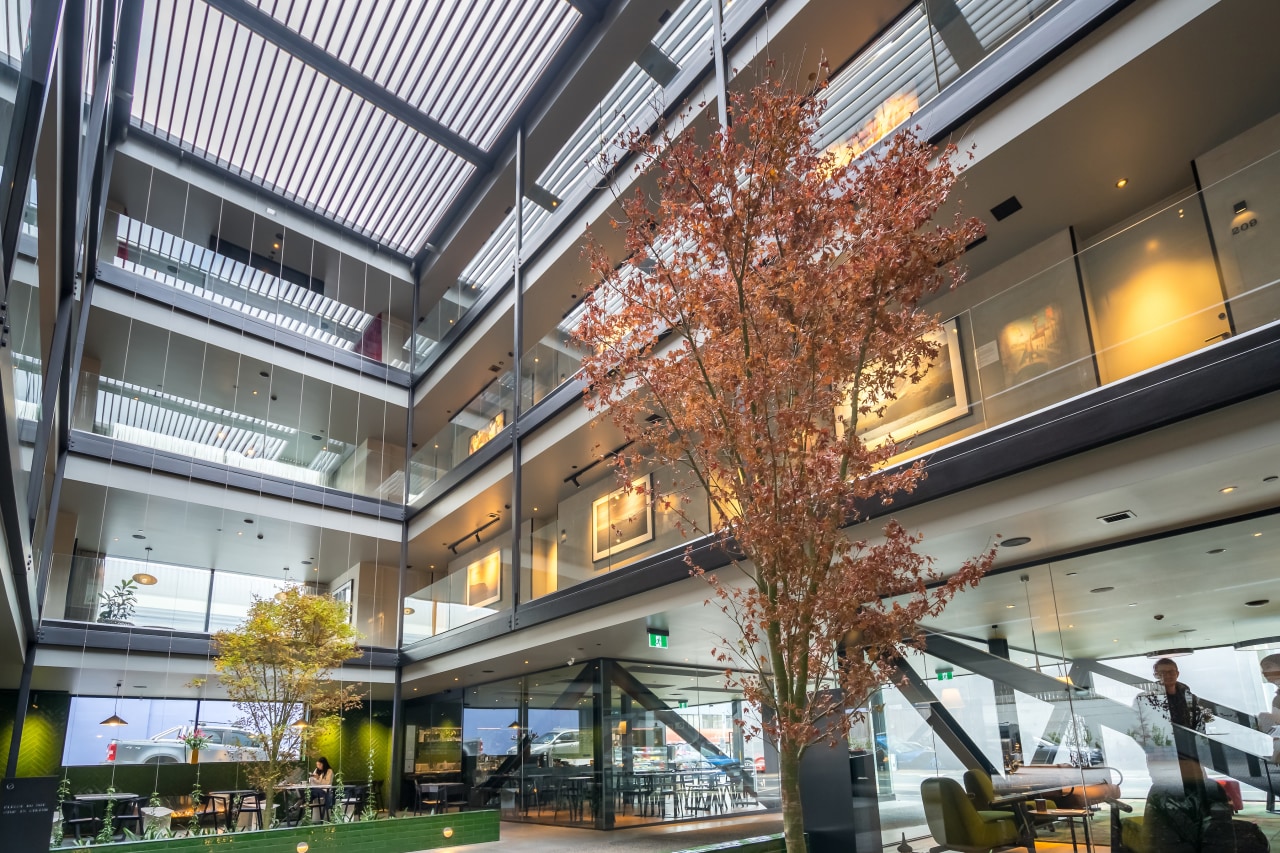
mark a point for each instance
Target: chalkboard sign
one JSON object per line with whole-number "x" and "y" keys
{"x": 27, "y": 807}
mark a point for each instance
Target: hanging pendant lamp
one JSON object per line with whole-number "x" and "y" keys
{"x": 115, "y": 719}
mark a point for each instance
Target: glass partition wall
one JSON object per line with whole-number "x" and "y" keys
{"x": 599, "y": 744}
{"x": 1052, "y": 677}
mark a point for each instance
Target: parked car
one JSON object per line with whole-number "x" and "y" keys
{"x": 557, "y": 743}
{"x": 226, "y": 743}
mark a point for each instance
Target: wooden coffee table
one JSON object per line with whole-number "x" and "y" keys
{"x": 1070, "y": 816}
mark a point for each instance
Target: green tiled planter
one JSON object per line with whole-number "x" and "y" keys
{"x": 398, "y": 835}
{"x": 757, "y": 844}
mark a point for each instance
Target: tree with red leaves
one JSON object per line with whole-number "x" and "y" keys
{"x": 766, "y": 284}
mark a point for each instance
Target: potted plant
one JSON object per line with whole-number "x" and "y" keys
{"x": 195, "y": 740}
{"x": 118, "y": 603}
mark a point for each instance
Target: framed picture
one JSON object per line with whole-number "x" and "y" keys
{"x": 1033, "y": 345}
{"x": 343, "y": 595}
{"x": 486, "y": 433}
{"x": 484, "y": 580}
{"x": 622, "y": 519}
{"x": 940, "y": 396}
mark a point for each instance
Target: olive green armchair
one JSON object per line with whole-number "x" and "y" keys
{"x": 956, "y": 824}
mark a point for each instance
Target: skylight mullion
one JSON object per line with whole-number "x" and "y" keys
{"x": 298, "y": 154}
{"x": 398, "y": 211}
{"x": 342, "y": 128}
{"x": 168, "y": 85}
{"x": 345, "y": 159}
{"x": 453, "y": 66}
{"x": 510, "y": 63}
{"x": 227, "y": 116}
{"x": 244, "y": 108}
{"x": 479, "y": 95}
{"x": 194, "y": 67}
{"x": 428, "y": 91}
{"x": 291, "y": 83}
{"x": 381, "y": 186}
{"x": 266, "y": 139}
{"x": 405, "y": 68}
{"x": 307, "y": 157}
{"x": 425, "y": 166}
{"x": 150, "y": 59}
{"x": 364, "y": 170}
{"x": 365, "y": 42}
{"x": 200, "y": 138}
{"x": 411, "y": 179}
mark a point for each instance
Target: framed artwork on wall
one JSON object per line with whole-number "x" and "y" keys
{"x": 1033, "y": 345}
{"x": 343, "y": 595}
{"x": 484, "y": 580}
{"x": 486, "y": 433}
{"x": 622, "y": 519}
{"x": 940, "y": 396}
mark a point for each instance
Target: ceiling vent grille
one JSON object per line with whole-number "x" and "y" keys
{"x": 1114, "y": 517}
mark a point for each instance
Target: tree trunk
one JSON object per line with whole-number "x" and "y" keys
{"x": 792, "y": 815}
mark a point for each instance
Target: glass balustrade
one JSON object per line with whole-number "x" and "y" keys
{"x": 172, "y": 423}
{"x": 159, "y": 595}
{"x": 265, "y": 290}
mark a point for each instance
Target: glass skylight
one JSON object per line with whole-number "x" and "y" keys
{"x": 215, "y": 87}
{"x": 465, "y": 64}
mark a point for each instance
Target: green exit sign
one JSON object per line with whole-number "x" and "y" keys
{"x": 683, "y": 703}
{"x": 657, "y": 641}
{"x": 945, "y": 675}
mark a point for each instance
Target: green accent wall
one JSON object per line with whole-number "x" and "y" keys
{"x": 43, "y": 733}
{"x": 348, "y": 746}
{"x": 398, "y": 835}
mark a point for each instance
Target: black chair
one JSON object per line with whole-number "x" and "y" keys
{"x": 430, "y": 798}
{"x": 252, "y": 805}
{"x": 128, "y": 815}
{"x": 79, "y": 819}
{"x": 353, "y": 799}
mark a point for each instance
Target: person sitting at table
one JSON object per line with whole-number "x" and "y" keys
{"x": 322, "y": 778}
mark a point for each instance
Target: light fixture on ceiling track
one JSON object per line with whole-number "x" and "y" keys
{"x": 115, "y": 719}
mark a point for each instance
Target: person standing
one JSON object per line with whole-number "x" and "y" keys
{"x": 1179, "y": 800}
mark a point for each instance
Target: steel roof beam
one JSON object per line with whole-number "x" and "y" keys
{"x": 312, "y": 54}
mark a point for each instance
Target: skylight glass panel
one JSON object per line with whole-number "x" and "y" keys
{"x": 212, "y": 87}
{"x": 687, "y": 30}
{"x": 466, "y": 64}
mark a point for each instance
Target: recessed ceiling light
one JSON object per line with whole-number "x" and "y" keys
{"x": 1216, "y": 551}
{"x": 1257, "y": 602}
{"x": 264, "y": 374}
{"x": 1071, "y": 626}
{"x": 1133, "y": 604}
{"x": 1102, "y": 589}
{"x": 1072, "y": 574}
{"x": 1256, "y": 535}
{"x": 408, "y": 611}
{"x": 1122, "y": 183}
{"x": 1226, "y": 490}
{"x": 248, "y": 521}
{"x": 1010, "y": 606}
{"x": 138, "y": 536}
{"x": 1015, "y": 541}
